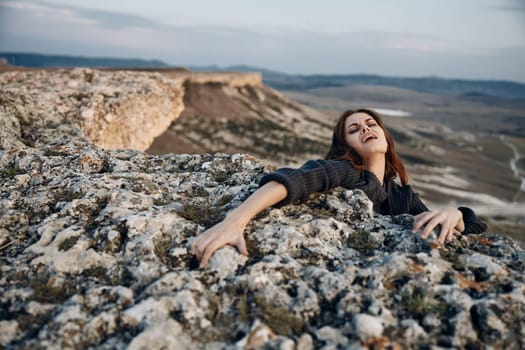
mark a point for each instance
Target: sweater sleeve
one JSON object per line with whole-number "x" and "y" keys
{"x": 416, "y": 204}
{"x": 322, "y": 175}
{"x": 472, "y": 223}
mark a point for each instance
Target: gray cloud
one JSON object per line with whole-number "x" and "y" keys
{"x": 510, "y": 8}
{"x": 119, "y": 20}
{"x": 102, "y": 18}
{"x": 90, "y": 32}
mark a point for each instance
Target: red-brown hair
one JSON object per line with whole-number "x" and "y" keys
{"x": 340, "y": 150}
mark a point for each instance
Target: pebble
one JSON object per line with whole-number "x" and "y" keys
{"x": 367, "y": 326}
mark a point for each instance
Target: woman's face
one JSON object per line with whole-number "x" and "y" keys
{"x": 364, "y": 135}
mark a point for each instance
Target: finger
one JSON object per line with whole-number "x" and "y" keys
{"x": 445, "y": 230}
{"x": 198, "y": 247}
{"x": 450, "y": 235}
{"x": 449, "y": 227}
{"x": 194, "y": 247}
{"x": 453, "y": 232}
{"x": 420, "y": 214}
{"x": 421, "y": 219}
{"x": 430, "y": 226}
{"x": 208, "y": 252}
{"x": 241, "y": 246}
{"x": 201, "y": 243}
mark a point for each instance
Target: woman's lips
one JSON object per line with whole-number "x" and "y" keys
{"x": 368, "y": 137}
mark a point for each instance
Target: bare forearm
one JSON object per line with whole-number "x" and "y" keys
{"x": 271, "y": 193}
{"x": 230, "y": 230}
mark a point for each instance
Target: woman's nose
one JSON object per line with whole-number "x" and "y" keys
{"x": 364, "y": 129}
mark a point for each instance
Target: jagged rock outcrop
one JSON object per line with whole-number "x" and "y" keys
{"x": 95, "y": 251}
{"x": 112, "y": 109}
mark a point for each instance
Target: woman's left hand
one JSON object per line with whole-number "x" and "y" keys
{"x": 450, "y": 219}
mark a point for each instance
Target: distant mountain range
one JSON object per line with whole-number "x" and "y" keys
{"x": 45, "y": 61}
{"x": 283, "y": 81}
{"x": 435, "y": 85}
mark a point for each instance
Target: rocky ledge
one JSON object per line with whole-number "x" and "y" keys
{"x": 95, "y": 253}
{"x": 112, "y": 109}
{"x": 95, "y": 243}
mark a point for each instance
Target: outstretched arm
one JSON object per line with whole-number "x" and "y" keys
{"x": 230, "y": 231}
{"x": 279, "y": 188}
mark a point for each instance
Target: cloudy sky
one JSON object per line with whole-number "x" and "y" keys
{"x": 473, "y": 39}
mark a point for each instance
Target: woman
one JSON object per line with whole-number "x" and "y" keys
{"x": 363, "y": 156}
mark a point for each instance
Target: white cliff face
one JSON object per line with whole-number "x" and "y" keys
{"x": 95, "y": 252}
{"x": 112, "y": 109}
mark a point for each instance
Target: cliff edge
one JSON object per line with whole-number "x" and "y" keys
{"x": 112, "y": 109}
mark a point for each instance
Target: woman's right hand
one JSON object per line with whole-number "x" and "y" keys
{"x": 230, "y": 230}
{"x": 227, "y": 232}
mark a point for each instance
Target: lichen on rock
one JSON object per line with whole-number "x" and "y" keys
{"x": 96, "y": 252}
{"x": 106, "y": 254}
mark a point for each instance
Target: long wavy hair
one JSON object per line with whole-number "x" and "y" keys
{"x": 340, "y": 150}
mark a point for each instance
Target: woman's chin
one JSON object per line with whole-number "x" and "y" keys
{"x": 372, "y": 149}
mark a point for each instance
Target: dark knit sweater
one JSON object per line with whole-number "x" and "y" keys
{"x": 389, "y": 199}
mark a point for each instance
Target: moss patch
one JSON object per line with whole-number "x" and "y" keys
{"x": 454, "y": 258}
{"x": 10, "y": 171}
{"x": 97, "y": 272}
{"x": 251, "y": 306}
{"x": 252, "y": 245}
{"x": 44, "y": 292}
{"x": 279, "y": 319}
{"x": 68, "y": 243}
{"x": 201, "y": 214}
{"x": 162, "y": 247}
{"x": 419, "y": 303}
{"x": 363, "y": 242}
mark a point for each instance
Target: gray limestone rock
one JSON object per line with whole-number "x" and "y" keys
{"x": 96, "y": 253}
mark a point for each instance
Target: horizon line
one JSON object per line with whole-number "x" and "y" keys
{"x": 258, "y": 69}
